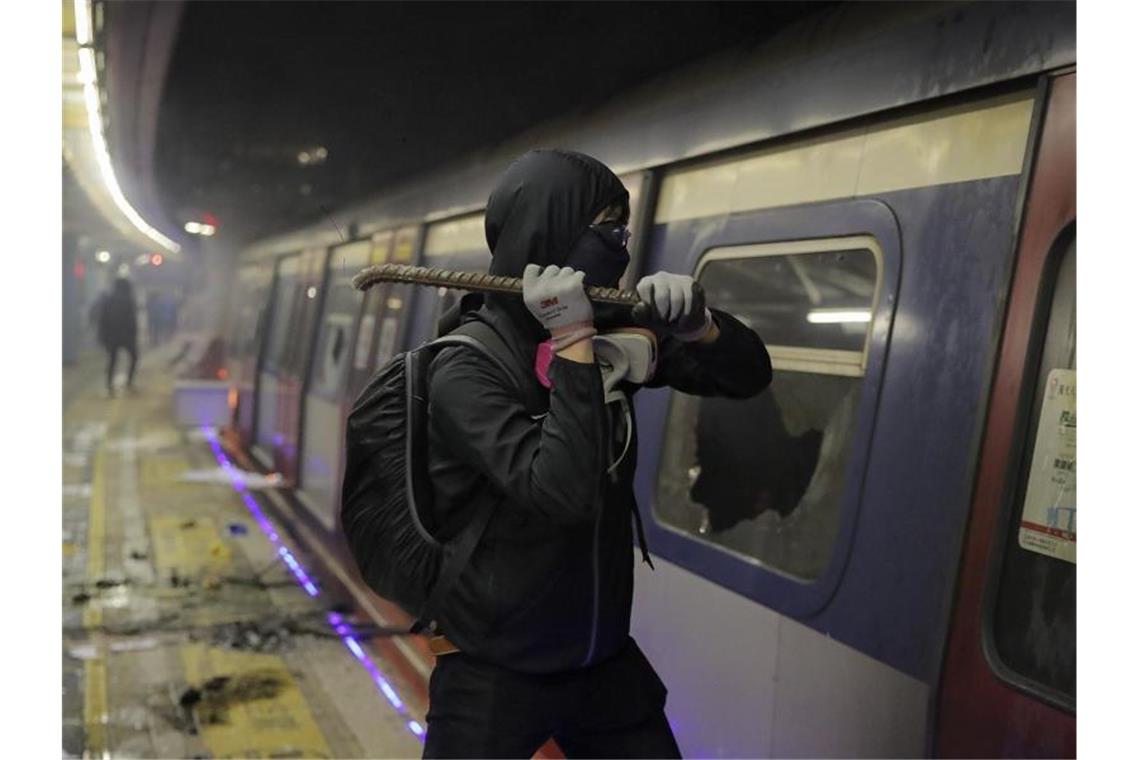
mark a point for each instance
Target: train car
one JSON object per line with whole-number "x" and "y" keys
{"x": 852, "y": 563}
{"x": 243, "y": 347}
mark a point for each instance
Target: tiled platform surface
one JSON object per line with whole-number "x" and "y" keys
{"x": 186, "y": 633}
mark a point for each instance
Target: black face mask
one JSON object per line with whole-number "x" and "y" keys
{"x": 600, "y": 252}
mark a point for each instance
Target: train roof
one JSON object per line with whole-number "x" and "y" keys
{"x": 843, "y": 62}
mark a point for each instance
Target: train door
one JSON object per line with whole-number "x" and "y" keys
{"x": 249, "y": 318}
{"x": 805, "y": 539}
{"x": 292, "y": 379}
{"x": 286, "y": 296}
{"x": 458, "y": 244}
{"x": 1009, "y": 682}
{"x": 383, "y": 322}
{"x": 324, "y": 408}
{"x": 364, "y": 346}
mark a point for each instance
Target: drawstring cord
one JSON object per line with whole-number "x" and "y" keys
{"x": 628, "y": 418}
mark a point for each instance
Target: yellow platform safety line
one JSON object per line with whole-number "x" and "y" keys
{"x": 259, "y": 712}
{"x": 95, "y": 715}
{"x": 95, "y": 670}
{"x": 96, "y": 531}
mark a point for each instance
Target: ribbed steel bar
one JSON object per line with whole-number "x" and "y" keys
{"x": 487, "y": 283}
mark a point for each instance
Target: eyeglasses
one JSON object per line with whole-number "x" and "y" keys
{"x": 614, "y": 230}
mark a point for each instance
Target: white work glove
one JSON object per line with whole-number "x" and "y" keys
{"x": 556, "y": 296}
{"x": 678, "y": 302}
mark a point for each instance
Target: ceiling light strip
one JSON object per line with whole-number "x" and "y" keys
{"x": 84, "y": 34}
{"x": 88, "y": 75}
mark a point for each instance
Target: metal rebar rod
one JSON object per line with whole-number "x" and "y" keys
{"x": 487, "y": 283}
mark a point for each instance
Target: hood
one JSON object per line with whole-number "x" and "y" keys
{"x": 543, "y": 202}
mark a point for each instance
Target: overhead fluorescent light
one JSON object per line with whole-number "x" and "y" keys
{"x": 87, "y": 71}
{"x": 200, "y": 228}
{"x": 89, "y": 76}
{"x": 837, "y": 316}
{"x": 84, "y": 31}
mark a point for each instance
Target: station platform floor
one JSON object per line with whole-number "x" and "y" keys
{"x": 194, "y": 623}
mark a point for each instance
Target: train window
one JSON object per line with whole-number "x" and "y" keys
{"x": 634, "y": 183}
{"x": 1034, "y": 615}
{"x": 763, "y": 478}
{"x": 306, "y": 312}
{"x": 454, "y": 237}
{"x": 392, "y": 316}
{"x": 248, "y": 325}
{"x": 460, "y": 245}
{"x": 286, "y": 294}
{"x": 341, "y": 305}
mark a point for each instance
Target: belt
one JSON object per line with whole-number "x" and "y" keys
{"x": 439, "y": 646}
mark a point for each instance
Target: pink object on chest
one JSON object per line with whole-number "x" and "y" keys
{"x": 542, "y": 358}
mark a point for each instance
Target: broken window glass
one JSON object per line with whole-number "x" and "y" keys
{"x": 764, "y": 477}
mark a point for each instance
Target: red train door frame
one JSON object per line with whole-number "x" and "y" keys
{"x": 981, "y": 712}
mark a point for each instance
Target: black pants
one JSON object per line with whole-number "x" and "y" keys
{"x": 614, "y": 709}
{"x": 113, "y": 355}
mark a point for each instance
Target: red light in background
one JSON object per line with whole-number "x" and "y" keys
{"x": 223, "y": 373}
{"x": 156, "y": 259}
{"x": 80, "y": 270}
{"x": 210, "y": 219}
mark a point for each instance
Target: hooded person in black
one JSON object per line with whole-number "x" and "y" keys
{"x": 118, "y": 328}
{"x": 540, "y": 616}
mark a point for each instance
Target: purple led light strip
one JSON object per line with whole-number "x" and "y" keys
{"x": 342, "y": 629}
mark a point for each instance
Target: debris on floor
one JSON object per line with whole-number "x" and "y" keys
{"x": 180, "y": 581}
{"x": 202, "y": 434}
{"x": 84, "y": 651}
{"x": 248, "y": 480}
{"x": 110, "y": 583}
{"x": 148, "y": 442}
{"x": 210, "y": 702}
{"x": 134, "y": 645}
{"x": 253, "y": 636}
{"x": 185, "y": 632}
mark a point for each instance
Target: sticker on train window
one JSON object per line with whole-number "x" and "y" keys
{"x": 1049, "y": 514}
{"x": 329, "y": 372}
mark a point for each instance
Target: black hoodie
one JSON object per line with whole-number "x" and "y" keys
{"x": 549, "y": 588}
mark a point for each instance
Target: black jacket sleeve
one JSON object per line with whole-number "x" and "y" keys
{"x": 553, "y": 466}
{"x": 735, "y": 365}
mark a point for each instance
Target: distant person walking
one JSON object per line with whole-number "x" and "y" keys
{"x": 118, "y": 328}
